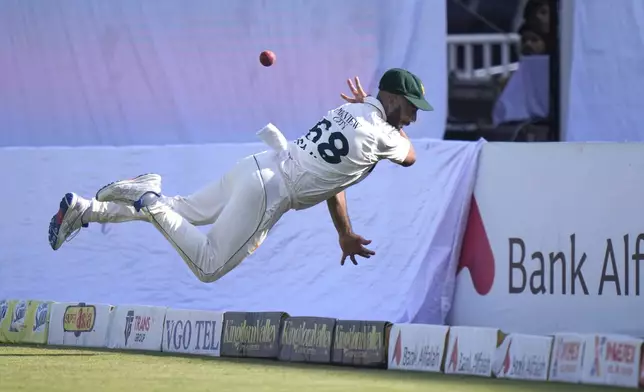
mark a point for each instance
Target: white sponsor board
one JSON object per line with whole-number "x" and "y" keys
{"x": 417, "y": 347}
{"x": 612, "y": 360}
{"x": 470, "y": 350}
{"x": 567, "y": 357}
{"x": 135, "y": 327}
{"x": 195, "y": 332}
{"x": 554, "y": 234}
{"x": 523, "y": 357}
{"x": 79, "y": 324}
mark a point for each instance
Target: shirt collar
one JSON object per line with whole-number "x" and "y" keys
{"x": 376, "y": 103}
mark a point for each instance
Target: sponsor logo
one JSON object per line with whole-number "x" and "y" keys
{"x": 360, "y": 343}
{"x": 4, "y": 307}
{"x": 129, "y": 319}
{"x": 397, "y": 355}
{"x": 476, "y": 253}
{"x": 306, "y": 339}
{"x": 453, "y": 359}
{"x": 40, "y": 317}
{"x": 79, "y": 318}
{"x": 359, "y": 340}
{"x": 596, "y": 369}
{"x": 18, "y": 317}
{"x": 508, "y": 359}
{"x": 566, "y": 358}
{"x": 526, "y": 366}
{"x": 425, "y": 356}
{"x": 179, "y": 335}
{"x": 617, "y": 358}
{"x": 251, "y": 336}
{"x": 469, "y": 363}
{"x": 140, "y": 325}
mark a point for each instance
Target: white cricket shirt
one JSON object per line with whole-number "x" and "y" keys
{"x": 341, "y": 150}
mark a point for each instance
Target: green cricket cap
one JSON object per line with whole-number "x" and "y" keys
{"x": 401, "y": 82}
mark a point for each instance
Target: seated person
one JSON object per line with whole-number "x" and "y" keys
{"x": 532, "y": 42}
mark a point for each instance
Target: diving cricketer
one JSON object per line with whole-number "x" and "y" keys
{"x": 340, "y": 150}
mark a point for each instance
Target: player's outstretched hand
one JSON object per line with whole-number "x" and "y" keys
{"x": 352, "y": 245}
{"x": 358, "y": 93}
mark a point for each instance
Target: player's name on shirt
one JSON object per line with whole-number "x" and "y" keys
{"x": 343, "y": 119}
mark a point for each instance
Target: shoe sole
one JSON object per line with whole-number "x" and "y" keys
{"x": 138, "y": 179}
{"x": 63, "y": 208}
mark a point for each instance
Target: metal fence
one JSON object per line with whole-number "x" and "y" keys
{"x": 487, "y": 45}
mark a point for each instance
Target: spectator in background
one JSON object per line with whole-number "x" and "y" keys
{"x": 524, "y": 94}
{"x": 532, "y": 42}
{"x": 536, "y": 15}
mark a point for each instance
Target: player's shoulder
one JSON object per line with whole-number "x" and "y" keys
{"x": 367, "y": 111}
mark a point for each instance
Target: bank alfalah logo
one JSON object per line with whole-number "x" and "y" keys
{"x": 476, "y": 252}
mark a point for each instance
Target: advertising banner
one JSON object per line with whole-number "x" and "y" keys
{"x": 135, "y": 327}
{"x": 361, "y": 343}
{"x": 307, "y": 339}
{"x": 417, "y": 347}
{"x": 24, "y": 321}
{"x": 554, "y": 234}
{"x": 471, "y": 350}
{"x": 612, "y": 360}
{"x": 79, "y": 324}
{"x": 567, "y": 356}
{"x": 251, "y": 334}
{"x": 195, "y": 332}
{"x": 523, "y": 357}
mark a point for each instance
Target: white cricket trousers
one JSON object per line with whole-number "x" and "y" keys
{"x": 242, "y": 207}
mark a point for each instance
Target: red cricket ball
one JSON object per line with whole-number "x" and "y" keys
{"x": 267, "y": 58}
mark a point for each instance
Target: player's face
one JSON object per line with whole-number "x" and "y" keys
{"x": 402, "y": 113}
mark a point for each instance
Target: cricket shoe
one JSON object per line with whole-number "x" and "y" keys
{"x": 67, "y": 222}
{"x": 130, "y": 191}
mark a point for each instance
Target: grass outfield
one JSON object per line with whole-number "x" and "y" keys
{"x": 52, "y": 369}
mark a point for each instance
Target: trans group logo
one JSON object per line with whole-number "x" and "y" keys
{"x": 137, "y": 325}
{"x": 129, "y": 320}
{"x": 476, "y": 252}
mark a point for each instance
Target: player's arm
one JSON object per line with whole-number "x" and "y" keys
{"x": 410, "y": 159}
{"x": 394, "y": 145}
{"x": 339, "y": 213}
{"x": 351, "y": 244}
